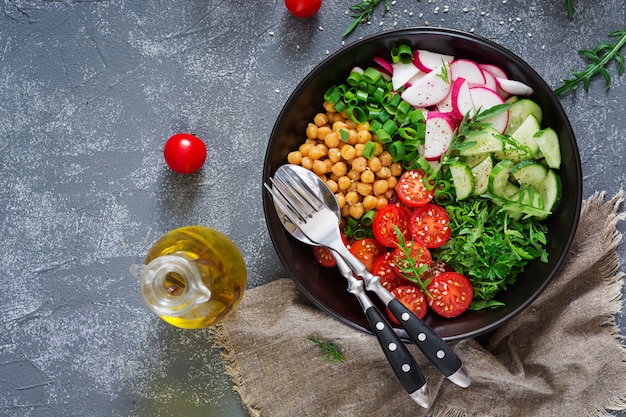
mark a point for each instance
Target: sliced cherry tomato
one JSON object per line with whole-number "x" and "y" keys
{"x": 384, "y": 221}
{"x": 420, "y": 255}
{"x": 429, "y": 225}
{"x": 324, "y": 257}
{"x": 303, "y": 8}
{"x": 411, "y": 189}
{"x": 384, "y": 268}
{"x": 184, "y": 153}
{"x": 450, "y": 294}
{"x": 412, "y": 298}
{"x": 367, "y": 251}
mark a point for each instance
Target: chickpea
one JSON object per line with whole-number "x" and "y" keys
{"x": 339, "y": 169}
{"x": 294, "y": 157}
{"x": 338, "y": 125}
{"x": 396, "y": 169}
{"x": 381, "y": 202}
{"x": 385, "y": 159}
{"x": 370, "y": 202}
{"x": 363, "y": 126}
{"x": 380, "y": 187}
{"x": 352, "y": 198}
{"x": 368, "y": 177}
{"x": 305, "y": 148}
{"x": 353, "y": 137}
{"x": 329, "y": 166}
{"x": 319, "y": 167}
{"x": 334, "y": 155}
{"x": 345, "y": 211}
{"x": 320, "y": 119}
{"x": 359, "y": 149}
{"x": 315, "y": 153}
{"x": 359, "y": 164}
{"x": 344, "y": 182}
{"x": 383, "y": 172}
{"x": 307, "y": 163}
{"x": 364, "y": 189}
{"x": 311, "y": 131}
{"x": 332, "y": 185}
{"x": 392, "y": 181}
{"x": 350, "y": 124}
{"x": 374, "y": 164}
{"x": 379, "y": 149}
{"x": 341, "y": 200}
{"x": 329, "y": 107}
{"x": 357, "y": 210}
{"x": 322, "y": 132}
{"x": 332, "y": 140}
{"x": 348, "y": 152}
{"x": 354, "y": 175}
{"x": 364, "y": 136}
{"x": 353, "y": 185}
{"x": 337, "y": 117}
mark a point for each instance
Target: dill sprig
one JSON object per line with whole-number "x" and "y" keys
{"x": 331, "y": 352}
{"x": 600, "y": 57}
{"x": 362, "y": 12}
{"x": 569, "y": 8}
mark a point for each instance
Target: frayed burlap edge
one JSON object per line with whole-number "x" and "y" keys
{"x": 610, "y": 268}
{"x": 222, "y": 341}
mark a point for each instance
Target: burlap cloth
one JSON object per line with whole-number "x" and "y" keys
{"x": 560, "y": 357}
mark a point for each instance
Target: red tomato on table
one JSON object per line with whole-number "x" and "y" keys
{"x": 184, "y": 153}
{"x": 384, "y": 221}
{"x": 367, "y": 251}
{"x": 412, "y": 298}
{"x": 303, "y": 8}
{"x": 412, "y": 190}
{"x": 450, "y": 294}
{"x": 430, "y": 225}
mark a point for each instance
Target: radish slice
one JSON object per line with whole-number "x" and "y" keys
{"x": 493, "y": 70}
{"x": 490, "y": 81}
{"x": 445, "y": 105}
{"x": 465, "y": 68}
{"x": 513, "y": 87}
{"x": 384, "y": 64}
{"x": 427, "y": 61}
{"x": 438, "y": 136}
{"x": 485, "y": 98}
{"x": 431, "y": 89}
{"x": 402, "y": 73}
{"x": 461, "y": 99}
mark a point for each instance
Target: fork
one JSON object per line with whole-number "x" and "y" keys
{"x": 320, "y": 225}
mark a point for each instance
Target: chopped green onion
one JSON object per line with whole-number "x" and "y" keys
{"x": 340, "y": 106}
{"x": 401, "y": 54}
{"x": 371, "y": 75}
{"x": 375, "y": 125}
{"x": 383, "y": 136}
{"x": 333, "y": 95}
{"x": 396, "y": 149}
{"x": 369, "y": 149}
{"x": 344, "y": 134}
{"x": 411, "y": 144}
{"x": 354, "y": 78}
{"x": 368, "y": 218}
{"x": 356, "y": 114}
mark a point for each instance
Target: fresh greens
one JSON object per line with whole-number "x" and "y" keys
{"x": 569, "y": 7}
{"x": 362, "y": 11}
{"x": 600, "y": 56}
{"x": 490, "y": 248}
{"x": 331, "y": 352}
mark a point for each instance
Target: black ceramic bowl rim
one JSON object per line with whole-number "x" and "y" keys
{"x": 324, "y": 287}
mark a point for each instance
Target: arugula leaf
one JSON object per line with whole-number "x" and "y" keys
{"x": 600, "y": 56}
{"x": 490, "y": 248}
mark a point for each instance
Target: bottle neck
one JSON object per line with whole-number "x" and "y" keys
{"x": 171, "y": 285}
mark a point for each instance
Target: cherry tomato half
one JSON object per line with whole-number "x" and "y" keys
{"x": 303, "y": 8}
{"x": 412, "y": 298}
{"x": 450, "y": 294}
{"x": 429, "y": 225}
{"x": 184, "y": 153}
{"x": 411, "y": 189}
{"x": 384, "y": 221}
{"x": 367, "y": 251}
{"x": 384, "y": 268}
{"x": 323, "y": 256}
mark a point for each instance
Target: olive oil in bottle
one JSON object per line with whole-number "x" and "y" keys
{"x": 192, "y": 277}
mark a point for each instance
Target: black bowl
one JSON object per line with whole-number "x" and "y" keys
{"x": 324, "y": 286}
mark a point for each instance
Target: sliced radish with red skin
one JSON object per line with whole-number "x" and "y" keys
{"x": 490, "y": 80}
{"x": 445, "y": 105}
{"x": 439, "y": 132}
{"x": 493, "y": 70}
{"x": 431, "y": 89}
{"x": 402, "y": 73}
{"x": 484, "y": 99}
{"x": 515, "y": 88}
{"x": 384, "y": 64}
{"x": 427, "y": 61}
{"x": 468, "y": 69}
{"x": 461, "y": 99}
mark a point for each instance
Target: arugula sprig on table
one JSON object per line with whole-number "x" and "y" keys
{"x": 362, "y": 11}
{"x": 600, "y": 56}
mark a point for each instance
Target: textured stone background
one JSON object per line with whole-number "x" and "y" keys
{"x": 89, "y": 92}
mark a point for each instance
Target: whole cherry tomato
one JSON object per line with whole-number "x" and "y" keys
{"x": 303, "y": 8}
{"x": 184, "y": 153}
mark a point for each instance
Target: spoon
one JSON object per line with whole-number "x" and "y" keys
{"x": 404, "y": 365}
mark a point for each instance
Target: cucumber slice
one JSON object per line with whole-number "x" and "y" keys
{"x": 463, "y": 179}
{"x": 481, "y": 175}
{"x": 474, "y": 160}
{"x": 499, "y": 178}
{"x": 485, "y": 142}
{"x": 519, "y": 111}
{"x": 529, "y": 172}
{"x": 548, "y": 142}
{"x": 525, "y": 136}
{"x": 551, "y": 191}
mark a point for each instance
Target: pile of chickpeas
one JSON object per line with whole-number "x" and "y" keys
{"x": 359, "y": 184}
